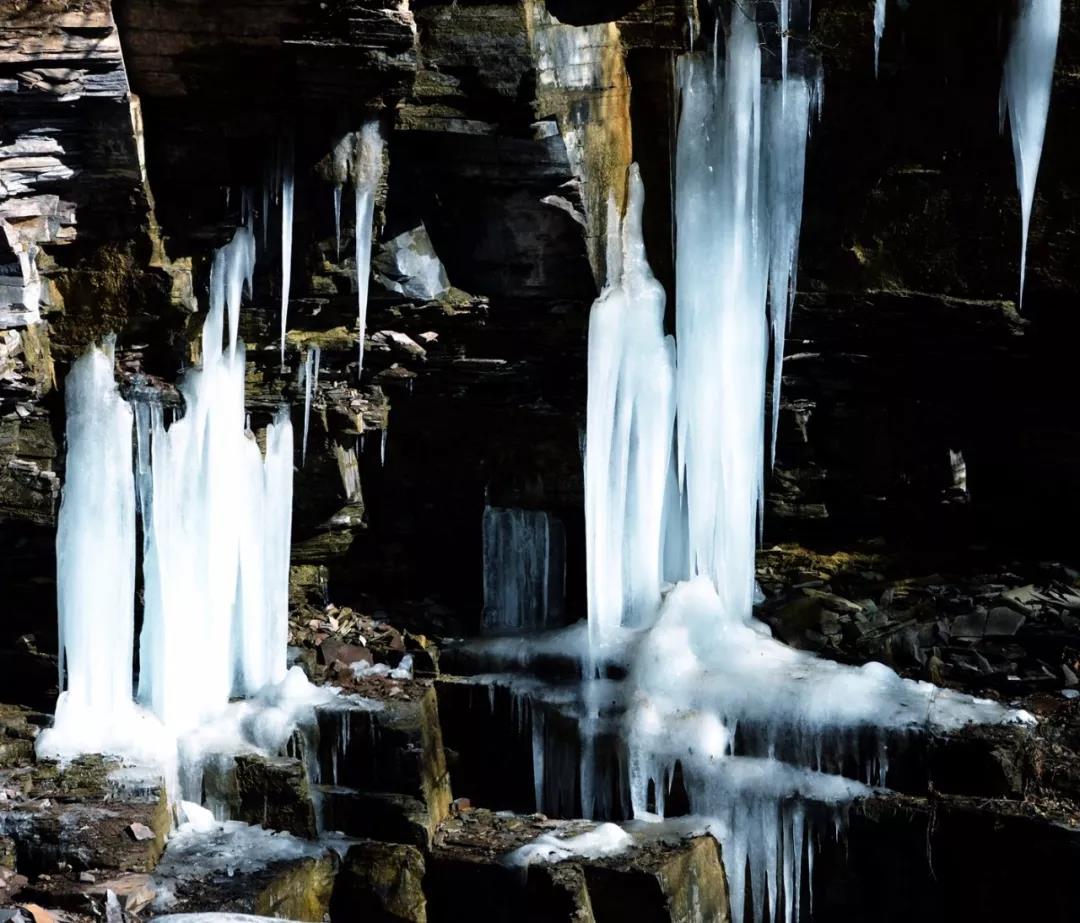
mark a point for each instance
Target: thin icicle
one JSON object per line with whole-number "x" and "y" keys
{"x": 311, "y": 387}
{"x": 367, "y": 172}
{"x": 337, "y": 220}
{"x": 288, "y": 181}
{"x": 1025, "y": 101}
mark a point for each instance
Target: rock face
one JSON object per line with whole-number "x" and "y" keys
{"x": 920, "y": 408}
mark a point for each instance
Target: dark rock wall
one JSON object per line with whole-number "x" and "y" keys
{"x": 905, "y": 343}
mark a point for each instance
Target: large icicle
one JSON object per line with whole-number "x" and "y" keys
{"x": 628, "y": 454}
{"x": 739, "y": 182}
{"x": 879, "y": 30}
{"x": 367, "y": 171}
{"x": 95, "y": 551}
{"x": 1025, "y": 100}
{"x": 216, "y": 539}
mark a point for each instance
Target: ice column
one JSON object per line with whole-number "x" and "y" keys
{"x": 739, "y": 178}
{"x": 217, "y": 532}
{"x": 630, "y": 420}
{"x": 1025, "y": 100}
{"x": 367, "y": 172}
{"x": 95, "y": 552}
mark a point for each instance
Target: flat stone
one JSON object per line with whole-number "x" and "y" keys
{"x": 1003, "y": 622}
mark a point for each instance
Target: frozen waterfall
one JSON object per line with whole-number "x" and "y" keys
{"x": 95, "y": 553}
{"x": 1025, "y": 100}
{"x": 367, "y": 172}
{"x": 217, "y": 534}
{"x": 771, "y": 742}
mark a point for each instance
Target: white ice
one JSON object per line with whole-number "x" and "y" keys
{"x": 1025, "y": 100}
{"x": 95, "y": 551}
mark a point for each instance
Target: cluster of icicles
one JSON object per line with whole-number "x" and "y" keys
{"x": 1025, "y": 95}
{"x": 359, "y": 157}
{"x": 674, "y": 484}
{"x": 216, "y": 514}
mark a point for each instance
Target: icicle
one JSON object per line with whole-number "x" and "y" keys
{"x": 311, "y": 387}
{"x": 337, "y": 220}
{"x": 879, "y": 30}
{"x": 785, "y": 25}
{"x": 367, "y": 172}
{"x": 1025, "y": 100}
{"x": 288, "y": 181}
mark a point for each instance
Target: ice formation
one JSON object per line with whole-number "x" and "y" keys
{"x": 367, "y": 172}
{"x": 288, "y": 186}
{"x": 771, "y": 742}
{"x": 524, "y": 570}
{"x": 311, "y": 387}
{"x": 630, "y": 421}
{"x": 879, "y": 29}
{"x": 95, "y": 551}
{"x": 216, "y": 537}
{"x": 1025, "y": 100}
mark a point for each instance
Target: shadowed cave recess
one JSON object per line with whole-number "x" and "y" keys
{"x": 548, "y": 460}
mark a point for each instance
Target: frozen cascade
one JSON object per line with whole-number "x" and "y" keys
{"x": 288, "y": 186}
{"x": 367, "y": 172}
{"x": 739, "y": 179}
{"x": 1025, "y": 100}
{"x": 879, "y": 30}
{"x": 707, "y": 668}
{"x": 311, "y": 387}
{"x": 95, "y": 550}
{"x": 630, "y": 420}
{"x": 524, "y": 570}
{"x": 216, "y": 546}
